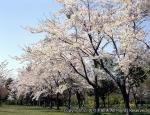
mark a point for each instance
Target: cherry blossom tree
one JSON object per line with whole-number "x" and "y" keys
{"x": 4, "y": 74}
{"x": 13, "y": 91}
{"x": 100, "y": 38}
{"x": 44, "y": 73}
{"x": 146, "y": 6}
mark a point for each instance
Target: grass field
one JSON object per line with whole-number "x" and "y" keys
{"x": 27, "y": 110}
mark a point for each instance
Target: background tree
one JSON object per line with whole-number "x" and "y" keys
{"x": 4, "y": 74}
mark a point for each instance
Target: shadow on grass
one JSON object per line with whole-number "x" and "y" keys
{"x": 46, "y": 111}
{"x": 141, "y": 114}
{"x": 7, "y": 111}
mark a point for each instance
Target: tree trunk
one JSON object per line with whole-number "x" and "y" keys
{"x": 21, "y": 102}
{"x": 135, "y": 100}
{"x": 97, "y": 105}
{"x": 96, "y": 99}
{"x": 39, "y": 102}
{"x": 126, "y": 100}
{"x": 108, "y": 101}
{"x": 69, "y": 99}
{"x": 44, "y": 103}
{"x": 0, "y": 100}
{"x": 103, "y": 99}
{"x": 51, "y": 101}
{"x": 57, "y": 101}
{"x": 78, "y": 99}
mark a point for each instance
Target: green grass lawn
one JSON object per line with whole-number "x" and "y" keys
{"x": 28, "y": 110}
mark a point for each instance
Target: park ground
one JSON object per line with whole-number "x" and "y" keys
{"x": 28, "y": 110}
